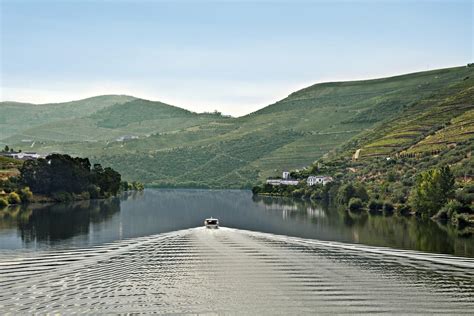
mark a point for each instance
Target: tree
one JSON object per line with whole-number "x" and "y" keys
{"x": 447, "y": 183}
{"x": 6, "y": 149}
{"x": 63, "y": 173}
{"x": 25, "y": 194}
{"x": 348, "y": 191}
{"x": 345, "y": 193}
{"x": 108, "y": 180}
{"x": 14, "y": 198}
{"x": 432, "y": 190}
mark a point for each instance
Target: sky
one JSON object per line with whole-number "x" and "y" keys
{"x": 230, "y": 56}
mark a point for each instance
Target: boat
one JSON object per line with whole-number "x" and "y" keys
{"x": 211, "y": 222}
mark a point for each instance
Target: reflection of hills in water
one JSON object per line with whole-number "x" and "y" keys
{"x": 158, "y": 211}
{"x": 289, "y": 207}
{"x": 55, "y": 222}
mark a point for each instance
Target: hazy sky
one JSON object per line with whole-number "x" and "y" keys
{"x": 234, "y": 56}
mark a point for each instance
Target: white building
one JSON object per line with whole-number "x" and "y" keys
{"x": 125, "y": 138}
{"x": 289, "y": 182}
{"x": 21, "y": 155}
{"x": 286, "y": 180}
{"x": 282, "y": 182}
{"x": 274, "y": 181}
{"x": 314, "y": 180}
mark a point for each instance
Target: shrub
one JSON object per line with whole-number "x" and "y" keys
{"x": 465, "y": 195}
{"x": 3, "y": 202}
{"x": 256, "y": 189}
{"x": 297, "y": 193}
{"x": 404, "y": 209}
{"x": 62, "y": 196}
{"x": 388, "y": 207}
{"x": 94, "y": 191}
{"x": 14, "y": 198}
{"x": 461, "y": 221}
{"x": 25, "y": 194}
{"x": 375, "y": 205}
{"x": 355, "y": 204}
{"x": 316, "y": 195}
{"x": 82, "y": 196}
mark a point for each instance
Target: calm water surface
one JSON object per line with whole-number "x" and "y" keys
{"x": 91, "y": 223}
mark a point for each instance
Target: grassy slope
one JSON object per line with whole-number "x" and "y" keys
{"x": 177, "y": 147}
{"x": 18, "y": 118}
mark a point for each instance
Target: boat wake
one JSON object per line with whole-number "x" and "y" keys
{"x": 234, "y": 271}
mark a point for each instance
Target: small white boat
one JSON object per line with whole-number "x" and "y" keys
{"x": 211, "y": 222}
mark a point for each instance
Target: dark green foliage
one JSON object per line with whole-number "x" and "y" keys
{"x": 432, "y": 190}
{"x": 404, "y": 209}
{"x": 131, "y": 186}
{"x": 3, "y": 202}
{"x": 108, "y": 180}
{"x": 375, "y": 205}
{"x": 14, "y": 198}
{"x": 9, "y": 185}
{"x": 25, "y": 194}
{"x": 388, "y": 207}
{"x": 94, "y": 191}
{"x": 355, "y": 204}
{"x": 349, "y": 190}
{"x": 465, "y": 195}
{"x": 461, "y": 221}
{"x": 66, "y": 177}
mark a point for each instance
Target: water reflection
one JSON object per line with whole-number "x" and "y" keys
{"x": 156, "y": 211}
{"x": 53, "y": 223}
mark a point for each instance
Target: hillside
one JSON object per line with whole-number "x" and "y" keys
{"x": 18, "y": 118}
{"x": 433, "y": 133}
{"x": 175, "y": 147}
{"x": 417, "y": 162}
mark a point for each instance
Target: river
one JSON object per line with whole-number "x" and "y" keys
{"x": 148, "y": 252}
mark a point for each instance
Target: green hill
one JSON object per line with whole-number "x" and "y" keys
{"x": 175, "y": 147}
{"x": 435, "y": 132}
{"x": 18, "y": 118}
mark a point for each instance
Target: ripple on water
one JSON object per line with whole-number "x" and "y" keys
{"x": 234, "y": 271}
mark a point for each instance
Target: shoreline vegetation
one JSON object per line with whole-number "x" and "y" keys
{"x": 58, "y": 178}
{"x": 427, "y": 188}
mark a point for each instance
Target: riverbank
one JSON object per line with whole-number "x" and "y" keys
{"x": 433, "y": 195}
{"x": 59, "y": 178}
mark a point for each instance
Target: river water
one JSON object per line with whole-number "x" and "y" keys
{"x": 148, "y": 253}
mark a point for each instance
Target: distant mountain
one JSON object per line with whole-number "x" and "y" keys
{"x": 167, "y": 146}
{"x": 16, "y": 118}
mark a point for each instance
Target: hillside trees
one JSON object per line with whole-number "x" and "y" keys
{"x": 432, "y": 190}
{"x": 65, "y": 174}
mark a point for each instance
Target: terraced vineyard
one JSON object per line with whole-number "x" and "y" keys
{"x": 431, "y": 125}
{"x": 164, "y": 145}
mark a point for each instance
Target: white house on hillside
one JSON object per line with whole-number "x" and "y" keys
{"x": 284, "y": 181}
{"x": 313, "y": 180}
{"x": 21, "y": 155}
